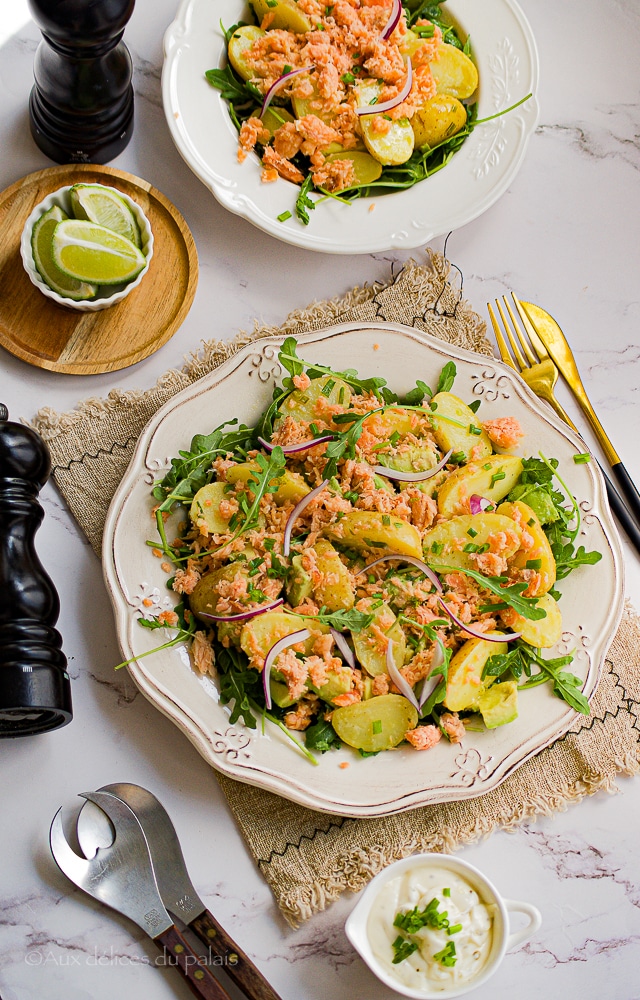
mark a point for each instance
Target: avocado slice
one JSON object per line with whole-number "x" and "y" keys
{"x": 499, "y": 704}
{"x": 300, "y": 585}
{"x": 337, "y": 682}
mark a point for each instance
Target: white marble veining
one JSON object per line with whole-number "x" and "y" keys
{"x": 564, "y": 235}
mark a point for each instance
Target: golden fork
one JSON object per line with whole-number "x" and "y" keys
{"x": 541, "y": 374}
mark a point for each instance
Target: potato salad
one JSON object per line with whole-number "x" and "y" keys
{"x": 350, "y": 98}
{"x": 369, "y": 570}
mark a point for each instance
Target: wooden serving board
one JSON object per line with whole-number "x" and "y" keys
{"x": 86, "y": 343}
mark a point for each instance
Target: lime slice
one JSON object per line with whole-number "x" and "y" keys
{"x": 98, "y": 204}
{"x": 41, "y": 240}
{"x": 93, "y": 253}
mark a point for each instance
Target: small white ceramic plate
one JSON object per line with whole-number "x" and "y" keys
{"x": 481, "y": 171}
{"x": 107, "y": 295}
{"x": 591, "y": 604}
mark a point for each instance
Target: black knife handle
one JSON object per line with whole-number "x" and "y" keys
{"x": 629, "y": 525}
{"x": 628, "y": 489}
{"x": 237, "y": 965}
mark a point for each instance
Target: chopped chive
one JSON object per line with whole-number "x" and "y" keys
{"x": 470, "y": 547}
{"x": 487, "y": 466}
{"x": 472, "y": 532}
{"x": 284, "y": 216}
{"x": 534, "y": 563}
{"x": 437, "y": 547}
{"x": 348, "y": 78}
{"x": 376, "y": 727}
{"x": 386, "y": 519}
{"x": 531, "y": 521}
{"x": 328, "y": 387}
{"x": 371, "y": 578}
{"x": 393, "y": 440}
{"x": 286, "y": 69}
{"x": 447, "y": 892}
{"x": 497, "y": 476}
{"x": 474, "y": 430}
{"x": 341, "y": 395}
{"x": 582, "y": 459}
{"x": 458, "y": 458}
{"x": 455, "y": 929}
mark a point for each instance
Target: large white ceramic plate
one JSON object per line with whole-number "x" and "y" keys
{"x": 481, "y": 171}
{"x": 400, "y": 779}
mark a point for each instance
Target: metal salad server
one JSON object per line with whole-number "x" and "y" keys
{"x": 172, "y": 878}
{"x": 121, "y": 876}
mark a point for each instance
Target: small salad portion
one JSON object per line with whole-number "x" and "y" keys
{"x": 368, "y": 570}
{"x": 349, "y": 98}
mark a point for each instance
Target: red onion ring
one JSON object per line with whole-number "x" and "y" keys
{"x": 396, "y": 11}
{"x": 478, "y": 504}
{"x": 378, "y": 109}
{"x": 509, "y": 637}
{"x": 277, "y": 648}
{"x": 412, "y": 560}
{"x": 432, "y": 680}
{"x": 403, "y": 685}
{"x": 244, "y": 616}
{"x": 414, "y": 477}
{"x": 295, "y": 514}
{"x": 344, "y": 647}
{"x": 279, "y": 83}
{"x": 291, "y": 449}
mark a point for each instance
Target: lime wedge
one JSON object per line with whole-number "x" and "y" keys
{"x": 96, "y": 203}
{"x": 41, "y": 240}
{"x": 88, "y": 252}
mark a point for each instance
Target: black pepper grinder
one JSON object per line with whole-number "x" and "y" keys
{"x": 35, "y": 691}
{"x": 81, "y": 107}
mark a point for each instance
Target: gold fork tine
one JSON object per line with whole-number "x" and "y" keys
{"x": 501, "y": 342}
{"x": 512, "y": 340}
{"x": 538, "y": 346}
{"x": 530, "y": 356}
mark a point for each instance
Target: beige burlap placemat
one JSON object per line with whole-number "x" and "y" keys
{"x": 309, "y": 858}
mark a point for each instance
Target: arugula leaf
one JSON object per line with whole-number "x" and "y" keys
{"x": 567, "y": 559}
{"x": 265, "y": 426}
{"x": 263, "y": 480}
{"x": 439, "y": 693}
{"x": 304, "y": 204}
{"x": 415, "y": 396}
{"x": 376, "y": 384}
{"x": 565, "y": 685}
{"x": 232, "y": 88}
{"x": 343, "y": 620}
{"x": 288, "y": 357}
{"x": 447, "y": 377}
{"x": 239, "y": 684}
{"x": 184, "y": 632}
{"x": 321, "y": 736}
{"x": 510, "y": 594}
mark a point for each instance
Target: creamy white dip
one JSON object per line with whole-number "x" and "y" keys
{"x": 420, "y": 970}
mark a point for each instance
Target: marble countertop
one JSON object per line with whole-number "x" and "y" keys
{"x": 565, "y": 235}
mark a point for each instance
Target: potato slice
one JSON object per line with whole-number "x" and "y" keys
{"x": 310, "y": 404}
{"x": 204, "y": 598}
{"x": 335, "y": 591}
{"x": 444, "y": 543}
{"x": 492, "y": 478}
{"x": 438, "y": 119}
{"x": 365, "y": 168}
{"x": 539, "y": 556}
{"x": 454, "y": 72}
{"x": 292, "y": 486}
{"x": 371, "y": 650}
{"x": 205, "y": 510}
{"x": 377, "y": 724}
{"x": 396, "y": 145}
{"x": 239, "y": 44}
{"x": 465, "y": 685}
{"x": 275, "y": 117}
{"x": 286, "y": 15}
{"x": 260, "y": 633}
{"x": 543, "y": 633}
{"x": 452, "y": 430}
{"x": 369, "y": 529}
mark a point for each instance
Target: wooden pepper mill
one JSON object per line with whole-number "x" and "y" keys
{"x": 81, "y": 107}
{"x": 35, "y": 691}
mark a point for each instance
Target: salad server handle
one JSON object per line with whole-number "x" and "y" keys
{"x": 237, "y": 965}
{"x": 198, "y": 975}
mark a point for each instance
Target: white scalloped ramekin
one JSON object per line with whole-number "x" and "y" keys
{"x": 107, "y": 295}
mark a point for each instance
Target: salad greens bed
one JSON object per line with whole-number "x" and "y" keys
{"x": 242, "y": 685}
